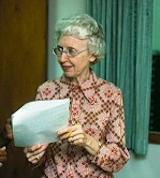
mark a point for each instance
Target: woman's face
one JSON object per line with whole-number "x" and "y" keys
{"x": 77, "y": 66}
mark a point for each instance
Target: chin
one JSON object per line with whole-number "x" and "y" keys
{"x": 68, "y": 75}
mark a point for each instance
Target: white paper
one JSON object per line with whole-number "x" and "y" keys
{"x": 39, "y": 121}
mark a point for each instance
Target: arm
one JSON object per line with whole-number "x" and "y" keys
{"x": 35, "y": 154}
{"x": 113, "y": 154}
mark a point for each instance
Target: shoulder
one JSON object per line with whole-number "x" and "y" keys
{"x": 108, "y": 90}
{"x": 104, "y": 84}
{"x": 48, "y": 90}
{"x": 49, "y": 84}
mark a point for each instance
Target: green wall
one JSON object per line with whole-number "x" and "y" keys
{"x": 156, "y": 26}
{"x": 57, "y": 10}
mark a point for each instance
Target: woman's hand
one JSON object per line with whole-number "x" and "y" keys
{"x": 3, "y": 155}
{"x": 35, "y": 152}
{"x": 74, "y": 134}
{"x": 77, "y": 136}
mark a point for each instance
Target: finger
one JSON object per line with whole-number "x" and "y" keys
{"x": 3, "y": 151}
{"x": 64, "y": 134}
{"x": 31, "y": 157}
{"x": 35, "y": 150}
{"x": 33, "y": 160}
{"x": 78, "y": 142}
{"x": 30, "y": 151}
{"x": 3, "y": 158}
{"x": 77, "y": 128}
{"x": 36, "y": 158}
{"x": 76, "y": 138}
{"x": 3, "y": 148}
{"x": 69, "y": 128}
{"x": 64, "y": 131}
{"x": 80, "y": 139}
{"x": 70, "y": 139}
{"x": 42, "y": 147}
{"x": 70, "y": 131}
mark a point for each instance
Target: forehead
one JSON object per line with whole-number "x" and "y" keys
{"x": 72, "y": 41}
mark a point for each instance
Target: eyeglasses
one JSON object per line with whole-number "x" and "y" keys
{"x": 70, "y": 51}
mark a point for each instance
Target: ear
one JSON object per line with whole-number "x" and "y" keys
{"x": 92, "y": 58}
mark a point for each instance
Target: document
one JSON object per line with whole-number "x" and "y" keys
{"x": 38, "y": 121}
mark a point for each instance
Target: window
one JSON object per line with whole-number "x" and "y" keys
{"x": 154, "y": 127}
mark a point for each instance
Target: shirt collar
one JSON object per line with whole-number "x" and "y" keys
{"x": 88, "y": 88}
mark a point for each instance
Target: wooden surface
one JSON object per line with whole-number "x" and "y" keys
{"x": 23, "y": 31}
{"x": 23, "y": 39}
{"x": 154, "y": 137}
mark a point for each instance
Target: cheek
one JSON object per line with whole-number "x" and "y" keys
{"x": 81, "y": 63}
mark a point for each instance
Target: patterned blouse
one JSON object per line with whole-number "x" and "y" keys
{"x": 97, "y": 105}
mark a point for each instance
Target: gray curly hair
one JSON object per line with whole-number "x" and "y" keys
{"x": 83, "y": 26}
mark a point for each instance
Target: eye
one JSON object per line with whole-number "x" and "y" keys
{"x": 60, "y": 48}
{"x": 72, "y": 51}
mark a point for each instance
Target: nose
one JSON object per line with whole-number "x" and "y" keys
{"x": 63, "y": 57}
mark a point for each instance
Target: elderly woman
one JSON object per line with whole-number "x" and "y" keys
{"x": 93, "y": 143}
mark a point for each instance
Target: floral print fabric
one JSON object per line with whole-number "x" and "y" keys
{"x": 98, "y": 106}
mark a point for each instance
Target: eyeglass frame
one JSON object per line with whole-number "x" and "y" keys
{"x": 66, "y": 51}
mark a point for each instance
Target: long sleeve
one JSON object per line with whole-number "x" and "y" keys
{"x": 98, "y": 106}
{"x": 113, "y": 154}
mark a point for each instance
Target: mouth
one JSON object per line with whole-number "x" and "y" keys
{"x": 66, "y": 68}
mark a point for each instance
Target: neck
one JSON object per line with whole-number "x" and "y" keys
{"x": 80, "y": 80}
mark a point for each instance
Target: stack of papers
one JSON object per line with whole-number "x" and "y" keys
{"x": 38, "y": 121}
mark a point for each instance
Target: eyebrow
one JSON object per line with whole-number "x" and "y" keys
{"x": 67, "y": 47}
